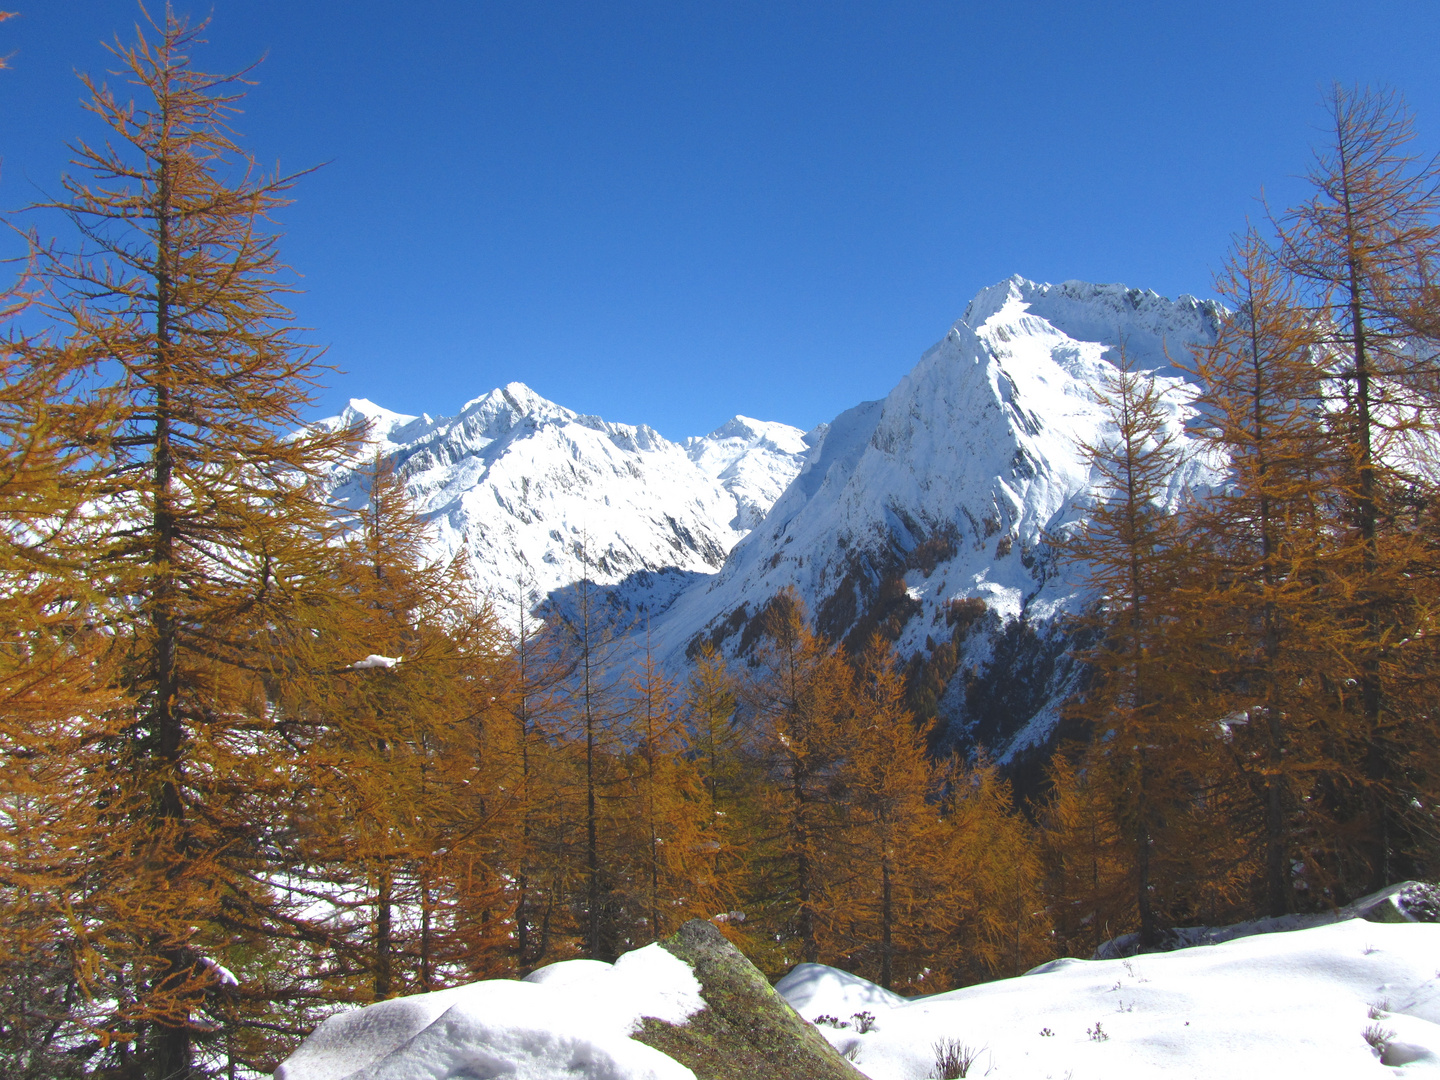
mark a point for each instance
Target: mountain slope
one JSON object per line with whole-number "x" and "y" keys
{"x": 946, "y": 491}
{"x": 925, "y": 515}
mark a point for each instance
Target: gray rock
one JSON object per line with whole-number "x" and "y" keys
{"x": 746, "y": 1031}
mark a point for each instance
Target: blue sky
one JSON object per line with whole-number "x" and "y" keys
{"x": 671, "y": 212}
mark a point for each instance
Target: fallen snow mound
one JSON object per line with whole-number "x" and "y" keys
{"x": 1351, "y": 999}
{"x": 569, "y": 1020}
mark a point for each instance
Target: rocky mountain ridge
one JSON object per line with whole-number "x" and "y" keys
{"x": 534, "y": 495}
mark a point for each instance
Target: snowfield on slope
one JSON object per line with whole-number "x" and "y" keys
{"x": 1352, "y": 999}
{"x": 952, "y": 486}
{"x": 948, "y": 489}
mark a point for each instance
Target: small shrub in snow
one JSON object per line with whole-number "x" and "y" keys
{"x": 953, "y": 1059}
{"x": 1046, "y": 1033}
{"x": 863, "y": 1021}
{"x": 826, "y": 1020}
{"x": 1097, "y": 1033}
{"x": 1379, "y": 1038}
{"x": 1379, "y": 1009}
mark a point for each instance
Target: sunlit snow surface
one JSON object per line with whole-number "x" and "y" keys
{"x": 1293, "y": 1004}
{"x": 1279, "y": 1005}
{"x": 568, "y": 1021}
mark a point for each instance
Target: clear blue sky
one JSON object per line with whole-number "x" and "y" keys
{"x": 670, "y": 212}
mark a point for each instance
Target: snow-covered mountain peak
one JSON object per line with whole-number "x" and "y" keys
{"x": 385, "y": 428}
{"x": 754, "y": 460}
{"x": 744, "y": 431}
{"x": 1153, "y": 331}
{"x": 512, "y": 403}
{"x": 893, "y": 517}
{"x": 538, "y": 495}
{"x": 951, "y": 487}
{"x": 993, "y": 299}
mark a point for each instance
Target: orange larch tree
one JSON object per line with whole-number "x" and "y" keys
{"x": 214, "y": 537}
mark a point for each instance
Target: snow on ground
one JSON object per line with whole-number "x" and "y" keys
{"x": 569, "y": 1020}
{"x": 1350, "y": 999}
{"x": 1272, "y": 1005}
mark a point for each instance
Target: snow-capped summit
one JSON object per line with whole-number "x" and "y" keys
{"x": 387, "y": 430}
{"x": 754, "y": 459}
{"x": 538, "y": 495}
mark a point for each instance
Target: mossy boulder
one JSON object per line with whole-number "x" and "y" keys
{"x": 746, "y": 1031}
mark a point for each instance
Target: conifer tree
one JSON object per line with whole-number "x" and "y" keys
{"x": 1363, "y": 251}
{"x": 1273, "y": 642}
{"x": 1086, "y": 857}
{"x": 403, "y": 759}
{"x": 797, "y": 697}
{"x": 893, "y": 853}
{"x": 214, "y": 537}
{"x": 987, "y": 897}
{"x": 670, "y": 844}
{"x": 533, "y": 851}
{"x": 595, "y": 713}
{"x": 57, "y": 704}
{"x": 1130, "y": 552}
{"x": 56, "y": 693}
{"x": 718, "y": 741}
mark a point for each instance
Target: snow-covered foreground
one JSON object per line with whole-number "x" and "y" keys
{"x": 1295, "y": 1004}
{"x": 569, "y": 1020}
{"x": 1351, "y": 999}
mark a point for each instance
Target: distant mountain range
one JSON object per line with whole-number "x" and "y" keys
{"x": 897, "y": 516}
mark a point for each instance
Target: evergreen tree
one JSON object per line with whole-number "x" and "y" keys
{"x": 1363, "y": 251}
{"x": 214, "y": 537}
{"x": 1130, "y": 552}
